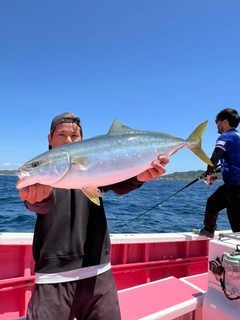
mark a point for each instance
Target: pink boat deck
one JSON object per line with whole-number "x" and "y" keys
{"x": 164, "y": 299}
{"x": 137, "y": 260}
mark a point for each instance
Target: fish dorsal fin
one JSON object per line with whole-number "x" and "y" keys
{"x": 93, "y": 194}
{"x": 120, "y": 128}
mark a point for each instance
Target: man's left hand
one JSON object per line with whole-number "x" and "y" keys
{"x": 158, "y": 169}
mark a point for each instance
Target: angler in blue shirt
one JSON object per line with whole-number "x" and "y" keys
{"x": 227, "y": 196}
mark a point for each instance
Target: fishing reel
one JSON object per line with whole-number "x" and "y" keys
{"x": 213, "y": 178}
{"x": 228, "y": 267}
{"x": 209, "y": 183}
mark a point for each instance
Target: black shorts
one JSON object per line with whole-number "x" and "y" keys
{"x": 94, "y": 298}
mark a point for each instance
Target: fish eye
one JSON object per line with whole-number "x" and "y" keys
{"x": 35, "y": 164}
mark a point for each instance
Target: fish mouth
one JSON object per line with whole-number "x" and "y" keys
{"x": 22, "y": 175}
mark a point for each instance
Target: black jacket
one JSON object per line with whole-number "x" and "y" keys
{"x": 71, "y": 231}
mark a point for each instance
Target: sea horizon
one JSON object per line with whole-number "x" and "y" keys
{"x": 180, "y": 211}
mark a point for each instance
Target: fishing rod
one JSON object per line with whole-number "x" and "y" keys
{"x": 203, "y": 175}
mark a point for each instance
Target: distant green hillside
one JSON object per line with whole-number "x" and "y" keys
{"x": 181, "y": 176}
{"x": 185, "y": 176}
{"x": 8, "y": 172}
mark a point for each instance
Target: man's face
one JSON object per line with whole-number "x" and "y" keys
{"x": 222, "y": 126}
{"x": 219, "y": 126}
{"x": 64, "y": 133}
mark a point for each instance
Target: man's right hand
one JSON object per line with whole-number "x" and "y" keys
{"x": 35, "y": 193}
{"x": 210, "y": 179}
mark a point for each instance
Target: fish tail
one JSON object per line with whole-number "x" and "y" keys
{"x": 195, "y": 143}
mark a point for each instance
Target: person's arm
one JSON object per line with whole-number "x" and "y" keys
{"x": 38, "y": 198}
{"x": 216, "y": 156}
{"x": 157, "y": 169}
{"x": 123, "y": 187}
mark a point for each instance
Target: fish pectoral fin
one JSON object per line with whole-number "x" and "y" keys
{"x": 81, "y": 163}
{"x": 93, "y": 194}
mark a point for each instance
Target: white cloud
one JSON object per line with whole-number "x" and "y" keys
{"x": 10, "y": 166}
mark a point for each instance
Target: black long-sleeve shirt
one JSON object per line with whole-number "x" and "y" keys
{"x": 215, "y": 158}
{"x": 71, "y": 231}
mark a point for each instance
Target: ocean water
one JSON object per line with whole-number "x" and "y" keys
{"x": 180, "y": 213}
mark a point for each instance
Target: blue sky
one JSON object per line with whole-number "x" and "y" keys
{"x": 157, "y": 65}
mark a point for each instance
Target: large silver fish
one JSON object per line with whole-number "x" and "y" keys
{"x": 105, "y": 159}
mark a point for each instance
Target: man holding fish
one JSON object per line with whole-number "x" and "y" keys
{"x": 71, "y": 245}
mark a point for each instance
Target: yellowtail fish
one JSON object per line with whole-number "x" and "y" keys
{"x": 105, "y": 159}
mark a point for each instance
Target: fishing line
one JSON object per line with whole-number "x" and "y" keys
{"x": 203, "y": 175}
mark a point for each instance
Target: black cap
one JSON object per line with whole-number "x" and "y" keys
{"x": 65, "y": 117}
